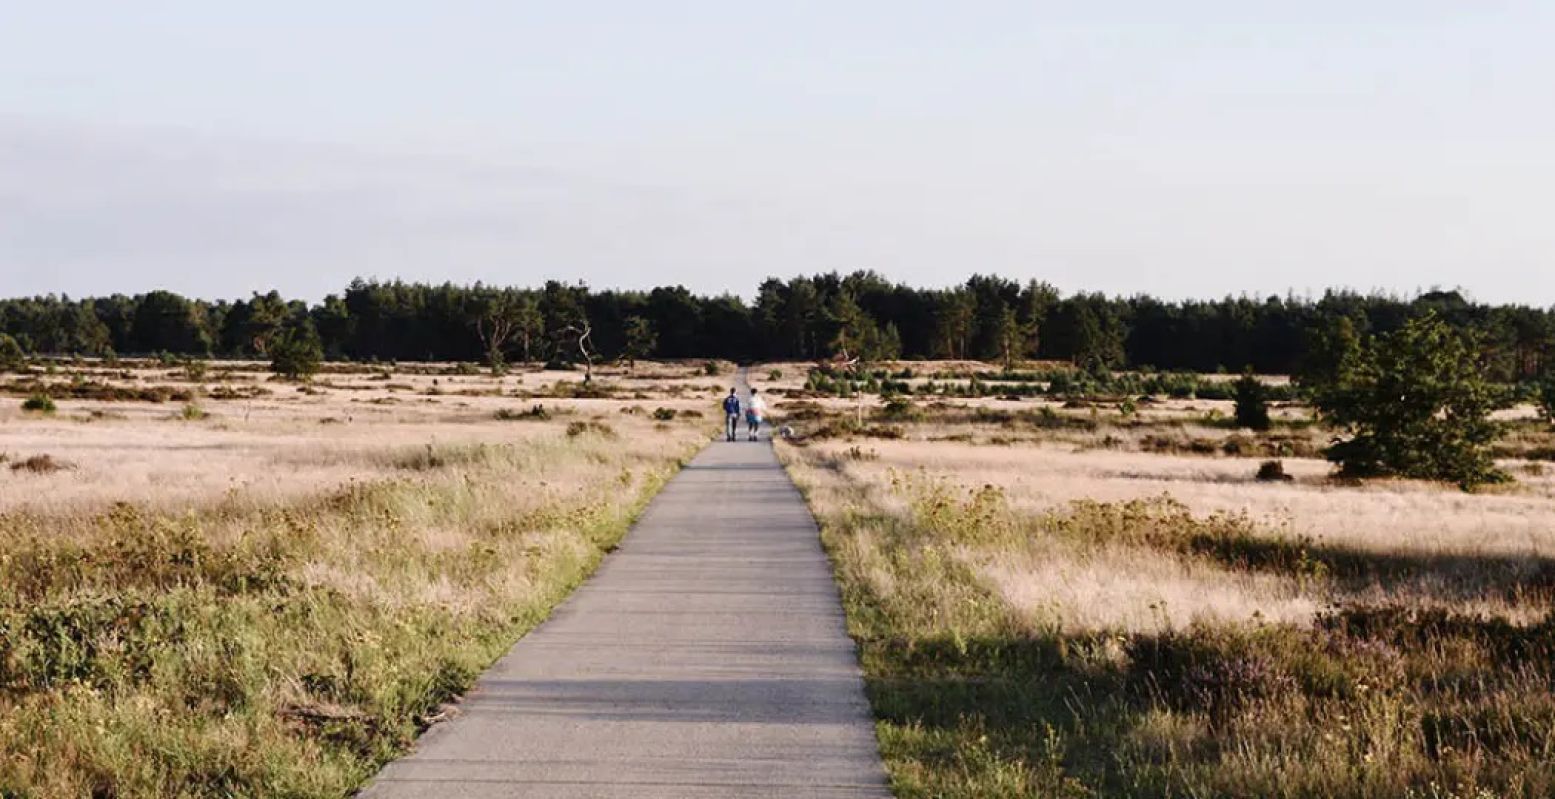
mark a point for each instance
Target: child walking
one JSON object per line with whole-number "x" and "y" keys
{"x": 754, "y": 414}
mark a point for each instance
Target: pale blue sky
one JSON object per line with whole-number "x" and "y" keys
{"x": 1184, "y": 149}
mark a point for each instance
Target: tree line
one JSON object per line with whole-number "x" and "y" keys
{"x": 809, "y": 317}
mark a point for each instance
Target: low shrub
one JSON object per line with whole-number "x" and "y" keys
{"x": 1273, "y": 471}
{"x": 39, "y": 403}
{"x": 41, "y": 464}
{"x": 590, "y": 427}
{"x": 104, "y": 392}
{"x": 902, "y": 411}
{"x": 536, "y": 413}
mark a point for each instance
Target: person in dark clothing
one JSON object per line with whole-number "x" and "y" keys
{"x": 731, "y": 414}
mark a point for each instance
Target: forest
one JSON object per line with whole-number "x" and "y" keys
{"x": 807, "y": 317}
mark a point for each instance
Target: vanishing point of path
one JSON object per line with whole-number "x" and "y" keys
{"x": 706, "y": 658}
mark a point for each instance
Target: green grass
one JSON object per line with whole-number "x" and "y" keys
{"x": 286, "y": 651}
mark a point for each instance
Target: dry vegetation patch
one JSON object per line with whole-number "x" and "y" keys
{"x": 1044, "y": 612}
{"x": 264, "y": 605}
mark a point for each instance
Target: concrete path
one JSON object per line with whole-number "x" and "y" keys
{"x": 706, "y": 658}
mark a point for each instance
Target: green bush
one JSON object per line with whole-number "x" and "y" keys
{"x": 1414, "y": 403}
{"x": 1545, "y": 398}
{"x": 38, "y": 403}
{"x": 663, "y": 414}
{"x": 296, "y": 353}
{"x": 1252, "y": 405}
{"x": 12, "y": 358}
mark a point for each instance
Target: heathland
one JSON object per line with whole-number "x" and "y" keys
{"x": 1063, "y": 581}
{"x": 1137, "y": 598}
{"x": 219, "y": 584}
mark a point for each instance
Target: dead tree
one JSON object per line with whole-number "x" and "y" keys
{"x": 582, "y": 332}
{"x": 840, "y": 362}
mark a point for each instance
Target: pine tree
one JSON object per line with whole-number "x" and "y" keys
{"x": 1252, "y": 404}
{"x": 296, "y": 352}
{"x": 1414, "y": 403}
{"x": 640, "y": 340}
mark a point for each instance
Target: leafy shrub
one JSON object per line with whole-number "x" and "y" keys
{"x": 663, "y": 414}
{"x": 712, "y": 369}
{"x": 775, "y": 374}
{"x": 192, "y": 412}
{"x": 38, "y": 403}
{"x": 194, "y": 370}
{"x": 12, "y": 358}
{"x": 1252, "y": 405}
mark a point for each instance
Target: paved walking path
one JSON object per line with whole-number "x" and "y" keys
{"x": 706, "y": 658}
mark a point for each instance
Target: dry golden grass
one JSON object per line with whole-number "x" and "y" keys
{"x": 1060, "y": 604}
{"x": 297, "y": 440}
{"x": 1133, "y": 589}
{"x": 272, "y": 596}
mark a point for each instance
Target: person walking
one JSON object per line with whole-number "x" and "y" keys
{"x": 754, "y": 412}
{"x": 731, "y": 415}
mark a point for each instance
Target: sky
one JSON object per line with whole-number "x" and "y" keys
{"x": 1189, "y": 149}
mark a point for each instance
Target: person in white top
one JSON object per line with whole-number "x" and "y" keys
{"x": 755, "y": 411}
